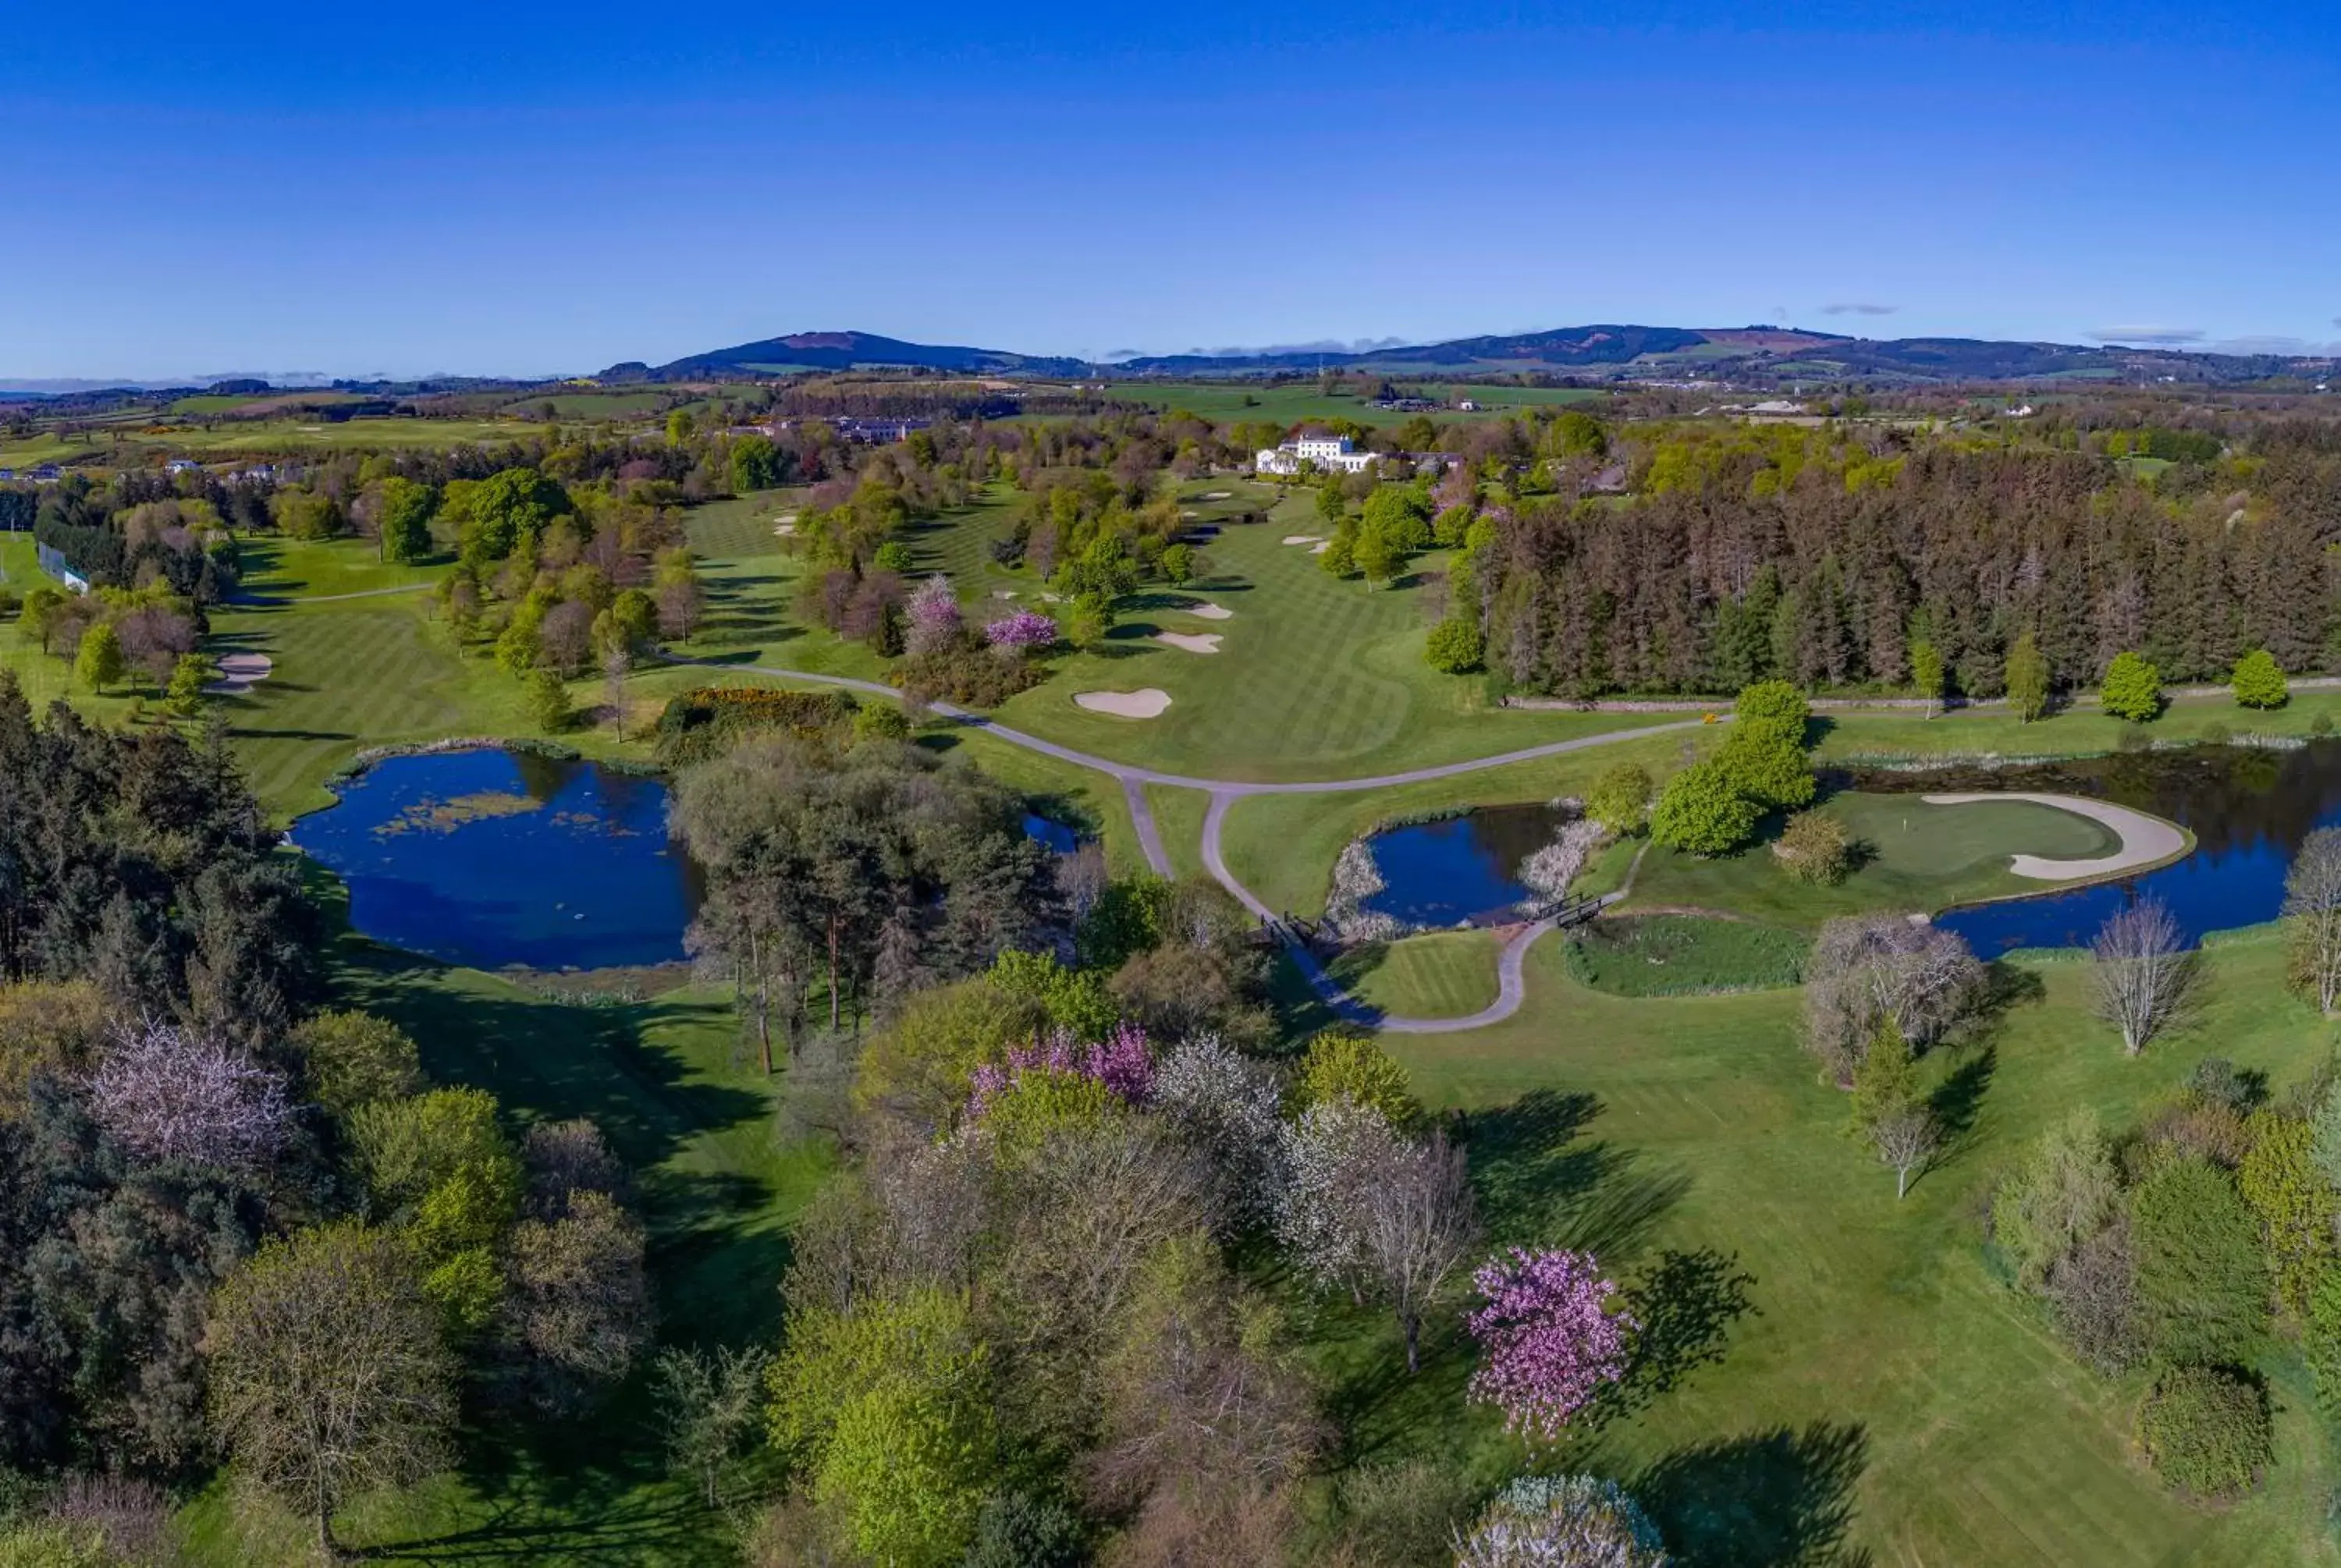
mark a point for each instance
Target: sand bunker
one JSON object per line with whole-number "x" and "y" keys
{"x": 1209, "y": 611}
{"x": 2144, "y": 840}
{"x": 1147, "y": 703}
{"x": 1304, "y": 538}
{"x": 239, "y": 671}
{"x": 1218, "y": 495}
{"x": 1003, "y": 593}
{"x": 1193, "y": 642}
{"x": 1320, "y": 547}
{"x": 784, "y": 529}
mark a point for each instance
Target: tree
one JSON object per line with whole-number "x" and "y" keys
{"x": 1091, "y": 621}
{"x": 1329, "y": 1156}
{"x": 1178, "y": 565}
{"x": 1342, "y": 1065}
{"x": 168, "y": 1095}
{"x": 39, "y": 618}
{"x": 1703, "y": 812}
{"x": 1339, "y": 556}
{"x": 1561, "y": 1522}
{"x": 577, "y": 1303}
{"x": 189, "y": 676}
{"x": 548, "y": 701}
{"x": 887, "y": 1409}
{"x": 1927, "y": 674}
{"x": 709, "y": 1404}
{"x": 1549, "y": 1338}
{"x": 1455, "y": 646}
{"x": 1227, "y": 1105}
{"x": 2133, "y": 688}
{"x": 351, "y": 1059}
{"x": 1418, "y": 1220}
{"x": 1814, "y": 847}
{"x": 1377, "y": 558}
{"x": 2141, "y": 971}
{"x": 2280, "y": 1179}
{"x": 1906, "y": 1140}
{"x": 2202, "y": 1279}
{"x": 1620, "y": 799}
{"x": 2312, "y": 919}
{"x": 404, "y": 510}
{"x": 2028, "y": 679}
{"x": 2067, "y": 1191}
{"x": 2258, "y": 680}
{"x": 933, "y": 614}
{"x": 327, "y": 1376}
{"x": 100, "y": 663}
{"x": 1870, "y": 970}
{"x": 2207, "y": 1430}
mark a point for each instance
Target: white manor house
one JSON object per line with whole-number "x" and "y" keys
{"x": 1333, "y": 453}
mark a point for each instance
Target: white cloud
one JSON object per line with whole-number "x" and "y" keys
{"x": 1858, "y": 309}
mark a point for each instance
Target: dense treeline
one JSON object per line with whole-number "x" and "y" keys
{"x": 1802, "y": 556}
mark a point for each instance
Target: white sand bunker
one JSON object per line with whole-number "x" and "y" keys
{"x": 1193, "y": 642}
{"x": 1217, "y": 495}
{"x": 1003, "y": 593}
{"x": 2144, "y": 840}
{"x": 1207, "y": 611}
{"x": 239, "y": 671}
{"x": 1304, "y": 538}
{"x": 1320, "y": 547}
{"x": 1146, "y": 703}
{"x": 784, "y": 529}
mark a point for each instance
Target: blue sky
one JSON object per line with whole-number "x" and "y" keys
{"x": 516, "y": 190}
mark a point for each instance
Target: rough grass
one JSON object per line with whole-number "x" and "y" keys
{"x": 1914, "y": 857}
{"x": 1683, "y": 956}
{"x": 1888, "y": 1395}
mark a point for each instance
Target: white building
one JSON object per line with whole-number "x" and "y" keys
{"x": 1330, "y": 453}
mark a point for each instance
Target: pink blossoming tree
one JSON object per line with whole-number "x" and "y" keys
{"x": 1121, "y": 1062}
{"x": 933, "y": 615}
{"x": 1026, "y": 631}
{"x": 1547, "y": 1337}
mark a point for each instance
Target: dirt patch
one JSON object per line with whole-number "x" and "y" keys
{"x": 1148, "y": 702}
{"x": 238, "y": 672}
{"x": 1192, "y": 641}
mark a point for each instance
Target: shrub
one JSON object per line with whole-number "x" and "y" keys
{"x": 2133, "y": 688}
{"x": 2218, "y": 735}
{"x": 1620, "y": 799}
{"x": 705, "y": 720}
{"x": 2259, "y": 681}
{"x": 1815, "y": 847}
{"x": 1703, "y": 812}
{"x": 2207, "y": 1430}
{"x": 965, "y": 673}
{"x": 2321, "y": 726}
{"x": 1454, "y": 647}
{"x": 1342, "y": 1065}
{"x": 2202, "y": 1279}
{"x": 1541, "y": 1519}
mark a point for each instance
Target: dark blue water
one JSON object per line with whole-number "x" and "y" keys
{"x": 2249, "y": 809}
{"x": 1460, "y": 867}
{"x": 489, "y": 858}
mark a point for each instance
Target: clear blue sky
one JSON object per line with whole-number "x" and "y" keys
{"x": 484, "y": 188}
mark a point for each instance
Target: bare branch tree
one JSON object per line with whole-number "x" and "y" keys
{"x": 2311, "y": 917}
{"x": 1906, "y": 1140}
{"x": 2143, "y": 972}
{"x": 165, "y": 1093}
{"x": 1870, "y": 970}
{"x": 1417, "y": 1221}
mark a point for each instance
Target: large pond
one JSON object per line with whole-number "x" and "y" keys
{"x": 493, "y": 858}
{"x": 1459, "y": 868}
{"x": 2248, "y": 809}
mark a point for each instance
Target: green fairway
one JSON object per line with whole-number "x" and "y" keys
{"x": 1886, "y": 1378}
{"x": 1913, "y": 857}
{"x": 1438, "y": 974}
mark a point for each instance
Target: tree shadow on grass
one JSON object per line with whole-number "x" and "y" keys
{"x": 1540, "y": 1185}
{"x": 1685, "y": 1304}
{"x": 1958, "y": 1100}
{"x": 1775, "y": 1499}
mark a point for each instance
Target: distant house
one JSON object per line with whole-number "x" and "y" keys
{"x": 1332, "y": 454}
{"x": 7, "y": 474}
{"x": 181, "y": 465}
{"x": 1466, "y": 406}
{"x": 48, "y": 473}
{"x": 258, "y": 473}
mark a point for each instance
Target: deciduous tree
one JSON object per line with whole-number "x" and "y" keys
{"x": 2312, "y": 919}
{"x": 2141, "y": 970}
{"x": 1550, "y": 1338}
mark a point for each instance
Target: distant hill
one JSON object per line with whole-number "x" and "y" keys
{"x": 845, "y": 352}
{"x": 1609, "y": 350}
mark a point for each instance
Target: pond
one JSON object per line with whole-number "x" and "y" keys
{"x": 1459, "y": 868}
{"x": 2248, "y": 809}
{"x": 493, "y": 858}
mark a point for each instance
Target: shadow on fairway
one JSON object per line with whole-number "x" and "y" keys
{"x": 1541, "y": 1184}
{"x": 1775, "y": 1499}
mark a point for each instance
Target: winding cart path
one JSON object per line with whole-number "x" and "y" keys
{"x": 1510, "y": 989}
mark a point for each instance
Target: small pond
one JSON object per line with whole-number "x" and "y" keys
{"x": 2248, "y": 809}
{"x": 1459, "y": 868}
{"x": 493, "y": 858}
